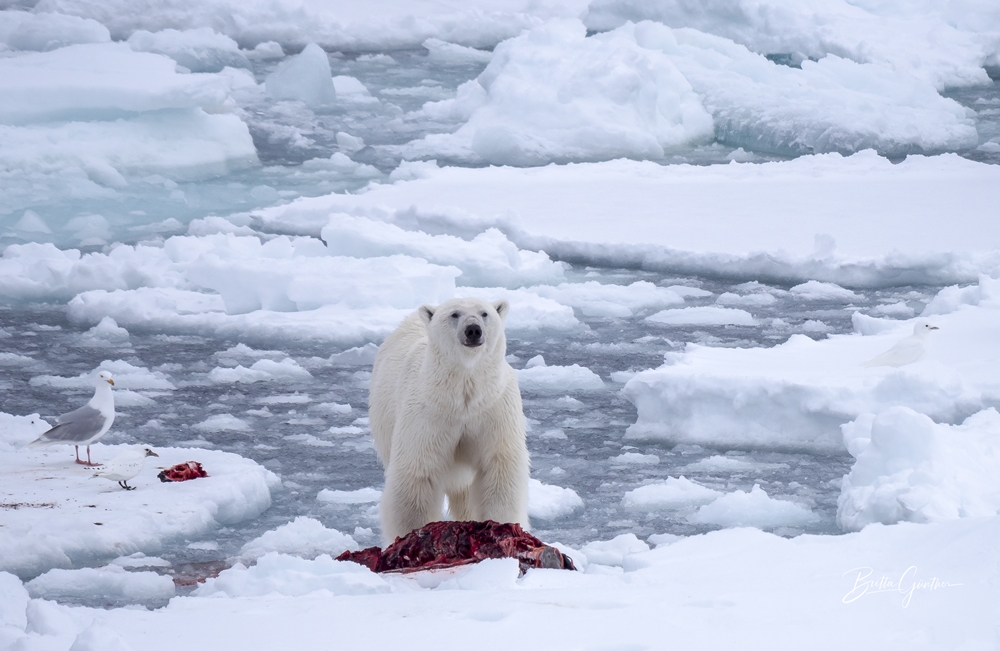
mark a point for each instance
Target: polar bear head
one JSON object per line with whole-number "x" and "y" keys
{"x": 466, "y": 328}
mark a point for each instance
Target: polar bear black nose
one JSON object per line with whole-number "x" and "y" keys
{"x": 473, "y": 332}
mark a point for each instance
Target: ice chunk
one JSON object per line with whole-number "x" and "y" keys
{"x": 757, "y": 299}
{"x": 222, "y": 423}
{"x": 266, "y": 51}
{"x": 360, "y": 496}
{"x": 261, "y": 370}
{"x": 305, "y": 77}
{"x": 529, "y": 311}
{"x": 109, "y": 582}
{"x": 753, "y": 509}
{"x": 106, "y": 333}
{"x": 42, "y": 32}
{"x": 13, "y": 359}
{"x": 841, "y": 105}
{"x": 928, "y": 41}
{"x": 288, "y": 399}
{"x": 817, "y": 291}
{"x": 487, "y": 574}
{"x": 303, "y": 536}
{"x": 554, "y": 95}
{"x": 797, "y": 394}
{"x": 126, "y": 376}
{"x": 139, "y": 559}
{"x": 31, "y": 222}
{"x": 706, "y": 315}
{"x": 548, "y": 502}
{"x": 489, "y": 260}
{"x": 613, "y": 552}
{"x": 636, "y": 458}
{"x": 724, "y": 464}
{"x": 559, "y": 379}
{"x": 605, "y": 299}
{"x": 909, "y": 468}
{"x": 13, "y": 603}
{"x": 349, "y": 143}
{"x": 99, "y": 80}
{"x": 537, "y": 360}
{"x": 198, "y": 50}
{"x": 347, "y": 85}
{"x": 32, "y": 541}
{"x": 440, "y": 51}
{"x": 293, "y": 576}
{"x": 674, "y": 493}
{"x": 358, "y": 27}
{"x": 183, "y": 144}
{"x": 361, "y": 356}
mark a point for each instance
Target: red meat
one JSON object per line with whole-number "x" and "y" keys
{"x": 183, "y": 472}
{"x": 447, "y": 544}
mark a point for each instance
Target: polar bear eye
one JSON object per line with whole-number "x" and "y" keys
{"x": 454, "y": 315}
{"x": 485, "y": 315}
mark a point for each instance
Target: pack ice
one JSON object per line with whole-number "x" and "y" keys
{"x": 81, "y": 120}
{"x": 642, "y": 91}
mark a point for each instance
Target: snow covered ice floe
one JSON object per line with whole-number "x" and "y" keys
{"x": 943, "y": 588}
{"x": 304, "y": 537}
{"x": 741, "y": 220}
{"x": 60, "y": 518}
{"x": 909, "y": 468}
{"x": 226, "y": 283}
{"x": 797, "y": 395}
{"x": 674, "y": 493}
{"x": 110, "y": 582}
{"x": 753, "y": 509}
{"x": 357, "y": 27}
{"x": 945, "y": 45}
{"x": 548, "y": 502}
{"x": 552, "y": 95}
{"x": 85, "y": 118}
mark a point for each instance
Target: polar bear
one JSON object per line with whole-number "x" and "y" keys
{"x": 446, "y": 417}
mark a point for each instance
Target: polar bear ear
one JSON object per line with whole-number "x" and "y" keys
{"x": 426, "y": 313}
{"x": 502, "y": 307}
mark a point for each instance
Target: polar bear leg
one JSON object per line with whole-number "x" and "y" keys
{"x": 501, "y": 491}
{"x": 460, "y": 506}
{"x": 408, "y": 503}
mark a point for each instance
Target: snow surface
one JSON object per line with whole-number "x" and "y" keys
{"x": 99, "y": 522}
{"x": 941, "y": 592}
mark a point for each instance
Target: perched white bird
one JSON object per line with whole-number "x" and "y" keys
{"x": 908, "y": 350}
{"x": 125, "y": 466}
{"x": 85, "y": 425}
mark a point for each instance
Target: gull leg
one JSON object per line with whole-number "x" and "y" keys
{"x": 88, "y": 462}
{"x": 124, "y": 484}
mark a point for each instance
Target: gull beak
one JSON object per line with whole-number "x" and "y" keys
{"x": 935, "y": 328}
{"x": 150, "y": 453}
{"x": 111, "y": 382}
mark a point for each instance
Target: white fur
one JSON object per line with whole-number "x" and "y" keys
{"x": 447, "y": 420}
